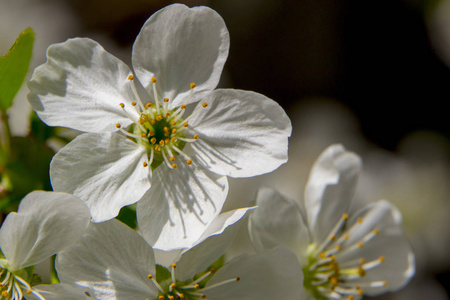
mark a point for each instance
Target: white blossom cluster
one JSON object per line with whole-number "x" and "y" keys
{"x": 169, "y": 148}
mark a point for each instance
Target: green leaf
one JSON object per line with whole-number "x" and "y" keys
{"x": 14, "y": 67}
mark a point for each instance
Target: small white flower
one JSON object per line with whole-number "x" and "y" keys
{"x": 343, "y": 256}
{"x": 45, "y": 224}
{"x": 163, "y": 144}
{"x": 113, "y": 262}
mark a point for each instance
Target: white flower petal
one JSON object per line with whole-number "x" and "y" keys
{"x": 242, "y": 133}
{"x": 60, "y": 291}
{"x": 329, "y": 189}
{"x": 46, "y": 223}
{"x": 390, "y": 243}
{"x": 211, "y": 246}
{"x": 112, "y": 260}
{"x": 80, "y": 87}
{"x": 180, "y": 205}
{"x": 180, "y": 45}
{"x": 277, "y": 221}
{"x": 104, "y": 170}
{"x": 275, "y": 274}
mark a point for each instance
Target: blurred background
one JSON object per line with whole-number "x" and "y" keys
{"x": 372, "y": 75}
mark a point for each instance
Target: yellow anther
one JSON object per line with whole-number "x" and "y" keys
{"x": 174, "y": 139}
{"x": 151, "y": 133}
{"x": 167, "y": 115}
{"x": 118, "y": 125}
{"x": 174, "y": 122}
{"x": 172, "y": 285}
{"x": 346, "y": 236}
{"x": 376, "y": 231}
{"x": 28, "y": 292}
{"x": 166, "y": 128}
{"x": 158, "y": 118}
{"x": 174, "y": 166}
{"x": 360, "y": 220}
{"x": 174, "y": 266}
{"x": 345, "y": 216}
{"x": 333, "y": 258}
{"x": 332, "y": 237}
{"x": 130, "y": 77}
{"x": 361, "y": 272}
{"x": 185, "y": 124}
{"x": 161, "y": 297}
{"x": 360, "y": 244}
{"x": 189, "y": 162}
{"x": 322, "y": 255}
{"x": 384, "y": 283}
{"x": 183, "y": 106}
{"x": 334, "y": 280}
{"x": 122, "y": 105}
{"x": 166, "y": 133}
{"x": 5, "y": 293}
{"x": 362, "y": 260}
{"x": 204, "y": 104}
{"x": 351, "y": 297}
{"x": 152, "y": 121}
{"x": 171, "y": 297}
{"x": 172, "y": 158}
{"x": 150, "y": 276}
{"x": 153, "y": 79}
{"x": 153, "y": 140}
{"x": 381, "y": 259}
{"x": 143, "y": 118}
{"x": 145, "y": 164}
{"x": 196, "y": 286}
{"x": 238, "y": 278}
{"x": 149, "y": 105}
{"x": 167, "y": 141}
{"x": 181, "y": 296}
{"x": 133, "y": 103}
{"x": 157, "y": 148}
{"x": 143, "y": 135}
{"x": 161, "y": 142}
{"x": 195, "y": 136}
{"x": 166, "y": 99}
{"x": 360, "y": 291}
{"x": 193, "y": 85}
{"x": 174, "y": 131}
{"x": 338, "y": 247}
{"x": 212, "y": 271}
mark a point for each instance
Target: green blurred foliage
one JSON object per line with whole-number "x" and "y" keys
{"x": 14, "y": 67}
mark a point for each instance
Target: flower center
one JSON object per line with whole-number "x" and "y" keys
{"x": 329, "y": 276}
{"x": 169, "y": 288}
{"x": 162, "y": 130}
{"x": 13, "y": 286}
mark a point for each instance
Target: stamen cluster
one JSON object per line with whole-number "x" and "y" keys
{"x": 14, "y": 287}
{"x": 160, "y": 129}
{"x": 188, "y": 290}
{"x": 329, "y": 276}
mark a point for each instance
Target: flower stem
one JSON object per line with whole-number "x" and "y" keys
{"x": 5, "y": 134}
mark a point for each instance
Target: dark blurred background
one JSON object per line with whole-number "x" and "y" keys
{"x": 373, "y": 56}
{"x": 383, "y": 61}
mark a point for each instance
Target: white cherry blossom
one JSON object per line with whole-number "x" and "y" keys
{"x": 113, "y": 262}
{"x": 45, "y": 224}
{"x": 343, "y": 255}
{"x": 178, "y": 141}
